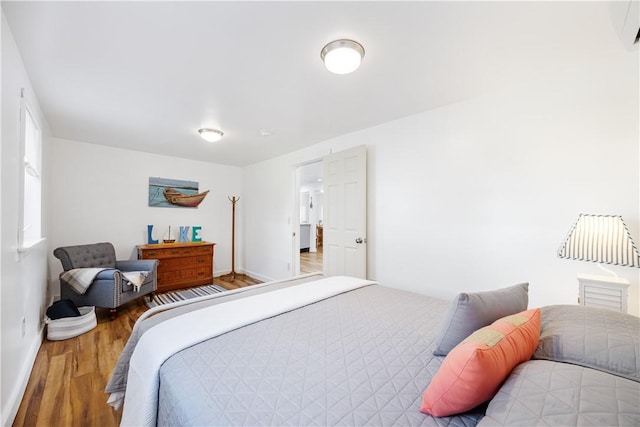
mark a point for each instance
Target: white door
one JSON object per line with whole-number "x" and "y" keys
{"x": 345, "y": 213}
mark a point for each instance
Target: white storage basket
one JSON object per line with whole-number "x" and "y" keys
{"x": 69, "y": 327}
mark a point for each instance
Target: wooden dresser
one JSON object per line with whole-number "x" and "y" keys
{"x": 181, "y": 264}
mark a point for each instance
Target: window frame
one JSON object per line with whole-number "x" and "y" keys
{"x": 24, "y": 241}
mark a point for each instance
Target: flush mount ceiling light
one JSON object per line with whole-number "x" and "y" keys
{"x": 211, "y": 135}
{"x": 342, "y": 56}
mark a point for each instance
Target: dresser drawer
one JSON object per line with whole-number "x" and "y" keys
{"x": 162, "y": 253}
{"x": 168, "y": 264}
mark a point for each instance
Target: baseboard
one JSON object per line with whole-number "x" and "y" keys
{"x": 221, "y": 273}
{"x": 13, "y": 403}
{"x": 259, "y": 276}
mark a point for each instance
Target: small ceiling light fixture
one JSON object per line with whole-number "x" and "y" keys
{"x": 342, "y": 56}
{"x": 211, "y": 135}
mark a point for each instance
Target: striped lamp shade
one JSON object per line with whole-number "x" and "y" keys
{"x": 600, "y": 238}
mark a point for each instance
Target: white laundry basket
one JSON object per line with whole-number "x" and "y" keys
{"x": 69, "y": 327}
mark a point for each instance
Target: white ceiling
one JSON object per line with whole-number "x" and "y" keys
{"x": 147, "y": 75}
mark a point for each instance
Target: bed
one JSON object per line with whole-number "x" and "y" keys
{"x": 342, "y": 351}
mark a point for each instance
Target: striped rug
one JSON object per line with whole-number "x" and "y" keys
{"x": 183, "y": 294}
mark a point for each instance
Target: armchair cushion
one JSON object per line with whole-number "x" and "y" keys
{"x": 107, "y": 274}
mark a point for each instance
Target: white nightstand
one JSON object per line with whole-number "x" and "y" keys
{"x": 604, "y": 292}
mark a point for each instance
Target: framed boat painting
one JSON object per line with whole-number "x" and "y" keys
{"x": 174, "y": 193}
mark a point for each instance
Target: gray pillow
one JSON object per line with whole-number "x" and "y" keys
{"x": 472, "y": 311}
{"x": 545, "y": 393}
{"x": 593, "y": 337}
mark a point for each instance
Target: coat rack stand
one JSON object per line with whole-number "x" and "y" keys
{"x": 232, "y": 276}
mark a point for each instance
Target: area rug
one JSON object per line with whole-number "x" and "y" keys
{"x": 183, "y": 294}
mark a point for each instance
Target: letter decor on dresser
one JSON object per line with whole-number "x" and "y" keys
{"x": 182, "y": 265}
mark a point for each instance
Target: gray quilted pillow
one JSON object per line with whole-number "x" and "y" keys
{"x": 471, "y": 311}
{"x": 596, "y": 338}
{"x": 544, "y": 393}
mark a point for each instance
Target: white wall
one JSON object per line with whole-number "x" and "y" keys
{"x": 22, "y": 277}
{"x": 101, "y": 194}
{"x": 480, "y": 194}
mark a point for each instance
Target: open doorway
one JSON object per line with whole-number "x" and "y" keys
{"x": 311, "y": 213}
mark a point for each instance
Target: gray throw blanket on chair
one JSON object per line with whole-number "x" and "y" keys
{"x": 80, "y": 278}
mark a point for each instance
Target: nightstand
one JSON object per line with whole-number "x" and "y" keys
{"x": 604, "y": 292}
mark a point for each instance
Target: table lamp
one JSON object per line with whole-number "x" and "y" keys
{"x": 603, "y": 239}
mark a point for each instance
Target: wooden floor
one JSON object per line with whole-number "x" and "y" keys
{"x": 66, "y": 387}
{"x": 310, "y": 262}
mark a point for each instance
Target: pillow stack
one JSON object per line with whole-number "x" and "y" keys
{"x": 474, "y": 370}
{"x": 480, "y": 357}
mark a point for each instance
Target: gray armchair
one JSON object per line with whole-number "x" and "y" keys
{"x": 109, "y": 288}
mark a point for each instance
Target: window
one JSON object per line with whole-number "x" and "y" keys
{"x": 30, "y": 217}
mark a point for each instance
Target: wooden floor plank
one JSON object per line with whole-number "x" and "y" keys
{"x": 311, "y": 262}
{"x": 34, "y": 391}
{"x": 66, "y": 386}
{"x": 55, "y": 408}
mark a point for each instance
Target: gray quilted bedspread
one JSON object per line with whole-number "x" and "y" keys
{"x": 545, "y": 393}
{"x": 118, "y": 380}
{"x": 361, "y": 358}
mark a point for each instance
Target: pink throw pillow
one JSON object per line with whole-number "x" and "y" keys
{"x": 474, "y": 370}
